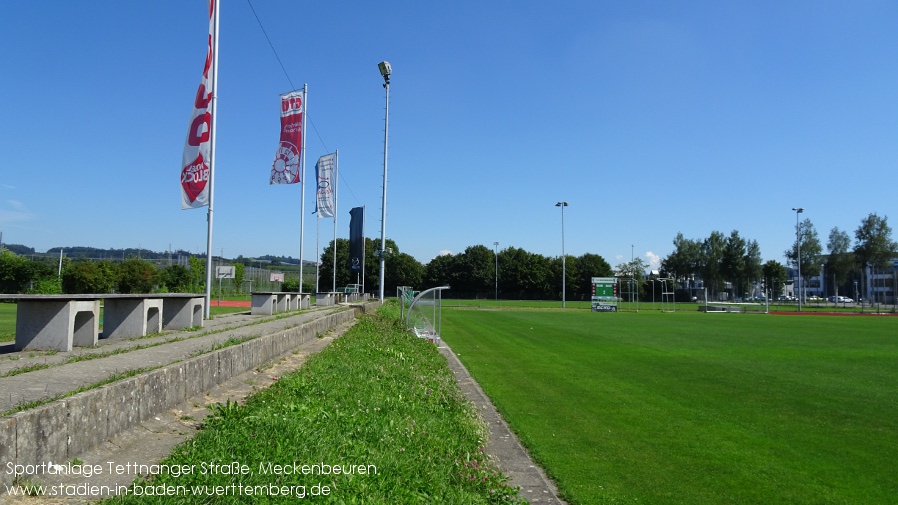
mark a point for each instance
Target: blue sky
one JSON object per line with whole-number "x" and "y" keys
{"x": 649, "y": 118}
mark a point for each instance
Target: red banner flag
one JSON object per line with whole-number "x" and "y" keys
{"x": 287, "y": 167}
{"x": 198, "y": 147}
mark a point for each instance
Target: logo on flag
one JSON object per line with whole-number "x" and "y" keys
{"x": 286, "y": 168}
{"x": 198, "y": 146}
{"x": 324, "y": 172}
{"x": 194, "y": 178}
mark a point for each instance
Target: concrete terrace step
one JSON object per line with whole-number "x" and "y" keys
{"x": 58, "y": 423}
{"x": 62, "y": 378}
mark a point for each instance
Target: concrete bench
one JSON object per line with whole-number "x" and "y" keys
{"x": 182, "y": 310}
{"x": 266, "y": 303}
{"x": 324, "y": 299}
{"x": 59, "y": 322}
{"x": 47, "y": 322}
{"x": 129, "y": 316}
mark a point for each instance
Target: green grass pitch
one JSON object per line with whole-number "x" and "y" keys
{"x": 694, "y": 408}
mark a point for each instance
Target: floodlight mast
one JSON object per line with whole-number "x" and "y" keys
{"x": 385, "y": 71}
{"x": 798, "y": 210}
{"x": 563, "y": 259}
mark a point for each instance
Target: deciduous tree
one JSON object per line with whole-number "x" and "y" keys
{"x": 841, "y": 261}
{"x": 808, "y": 244}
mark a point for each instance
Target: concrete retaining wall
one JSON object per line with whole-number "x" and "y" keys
{"x": 61, "y": 430}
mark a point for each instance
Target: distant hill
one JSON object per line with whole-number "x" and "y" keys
{"x": 19, "y": 249}
{"x": 96, "y": 254}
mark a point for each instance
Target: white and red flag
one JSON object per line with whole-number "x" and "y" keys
{"x": 287, "y": 168}
{"x": 197, "y": 158}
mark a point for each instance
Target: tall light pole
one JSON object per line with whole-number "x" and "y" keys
{"x": 563, "y": 259}
{"x": 496, "y": 244}
{"x": 385, "y": 71}
{"x": 798, "y": 210}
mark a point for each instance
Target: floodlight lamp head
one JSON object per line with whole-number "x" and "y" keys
{"x": 561, "y": 204}
{"x": 385, "y": 71}
{"x": 798, "y": 210}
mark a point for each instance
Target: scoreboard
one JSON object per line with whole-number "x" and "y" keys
{"x": 604, "y": 294}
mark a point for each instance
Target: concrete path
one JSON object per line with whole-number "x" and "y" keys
{"x": 503, "y": 446}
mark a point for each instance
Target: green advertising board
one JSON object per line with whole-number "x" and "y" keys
{"x": 604, "y": 294}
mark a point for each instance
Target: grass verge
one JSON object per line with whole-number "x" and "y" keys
{"x": 377, "y": 402}
{"x": 694, "y": 408}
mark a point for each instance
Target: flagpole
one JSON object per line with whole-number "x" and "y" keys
{"x": 364, "y": 247}
{"x": 212, "y": 136}
{"x": 302, "y": 218}
{"x": 336, "y": 178}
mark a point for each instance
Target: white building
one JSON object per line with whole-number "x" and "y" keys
{"x": 874, "y": 285}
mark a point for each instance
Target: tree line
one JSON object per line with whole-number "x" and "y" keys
{"x": 20, "y": 274}
{"x": 470, "y": 274}
{"x": 733, "y": 263}
{"x": 719, "y": 262}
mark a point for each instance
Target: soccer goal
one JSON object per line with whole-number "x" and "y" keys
{"x": 668, "y": 300}
{"x": 424, "y": 316}
{"x": 405, "y": 294}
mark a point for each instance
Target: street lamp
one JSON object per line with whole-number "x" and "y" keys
{"x": 496, "y": 244}
{"x": 563, "y": 259}
{"x": 385, "y": 71}
{"x": 798, "y": 211}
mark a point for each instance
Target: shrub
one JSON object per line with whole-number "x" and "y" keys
{"x": 89, "y": 277}
{"x": 177, "y": 278}
{"x": 137, "y": 276}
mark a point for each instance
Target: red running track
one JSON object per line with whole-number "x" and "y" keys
{"x": 230, "y": 303}
{"x": 795, "y": 313}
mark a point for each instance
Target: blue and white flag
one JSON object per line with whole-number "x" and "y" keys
{"x": 325, "y": 171}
